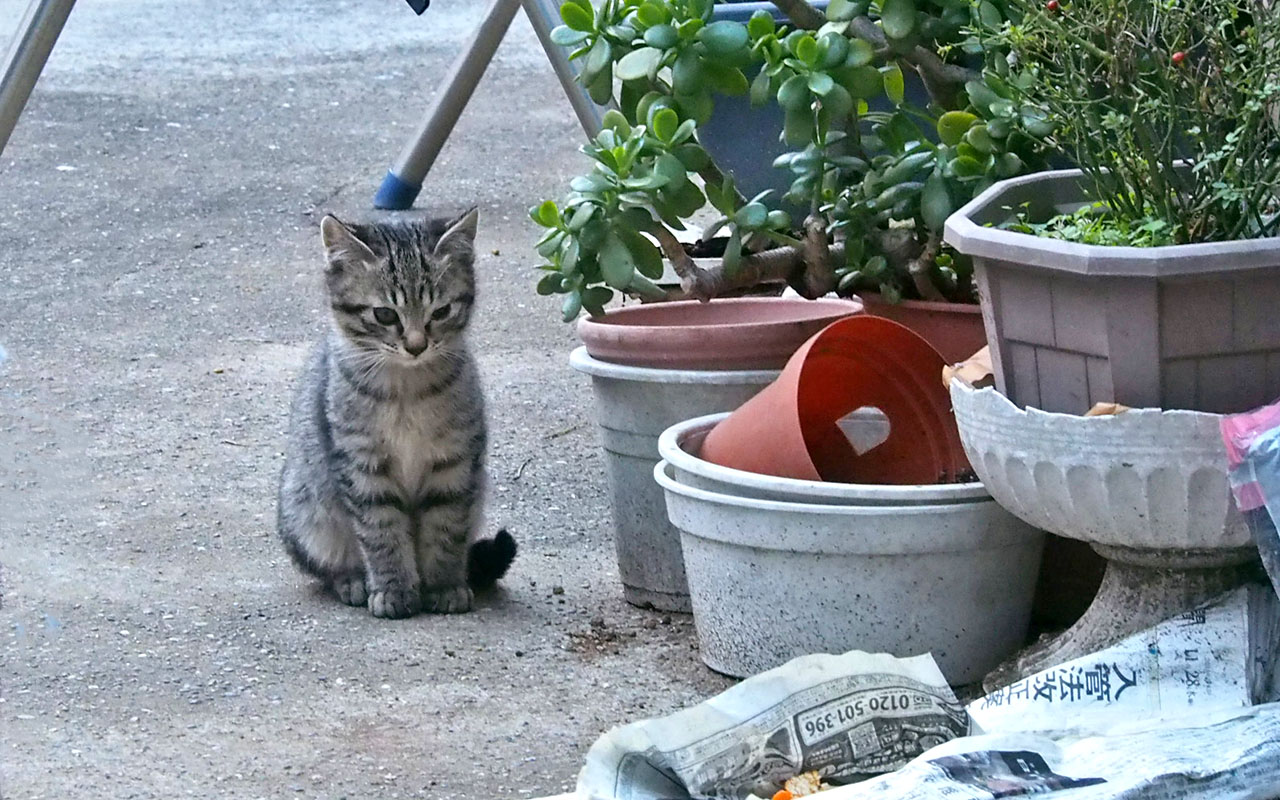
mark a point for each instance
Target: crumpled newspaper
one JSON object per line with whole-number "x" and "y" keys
{"x": 1164, "y": 714}
{"x": 847, "y": 716}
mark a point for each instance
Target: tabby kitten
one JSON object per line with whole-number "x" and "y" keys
{"x": 384, "y": 476}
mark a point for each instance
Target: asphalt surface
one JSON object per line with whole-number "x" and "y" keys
{"x": 159, "y": 285}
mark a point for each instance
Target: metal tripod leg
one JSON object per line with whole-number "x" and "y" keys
{"x": 27, "y": 54}
{"x": 403, "y": 181}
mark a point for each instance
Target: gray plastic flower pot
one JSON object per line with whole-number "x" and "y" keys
{"x": 633, "y": 406}
{"x": 1182, "y": 327}
{"x": 772, "y": 580}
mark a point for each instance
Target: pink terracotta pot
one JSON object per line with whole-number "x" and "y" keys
{"x": 954, "y": 329}
{"x": 790, "y": 429}
{"x": 736, "y": 333}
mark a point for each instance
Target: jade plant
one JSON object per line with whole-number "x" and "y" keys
{"x": 1170, "y": 108}
{"x": 877, "y": 164}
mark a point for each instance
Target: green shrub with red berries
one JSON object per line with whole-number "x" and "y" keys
{"x": 1170, "y": 107}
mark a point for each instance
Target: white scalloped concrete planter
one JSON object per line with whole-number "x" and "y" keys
{"x": 772, "y": 580}
{"x": 1147, "y": 489}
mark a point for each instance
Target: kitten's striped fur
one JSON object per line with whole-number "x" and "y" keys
{"x": 383, "y": 481}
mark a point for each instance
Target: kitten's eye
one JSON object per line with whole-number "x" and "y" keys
{"x": 385, "y": 315}
{"x": 441, "y": 312}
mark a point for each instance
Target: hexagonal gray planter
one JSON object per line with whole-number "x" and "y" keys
{"x": 1187, "y": 326}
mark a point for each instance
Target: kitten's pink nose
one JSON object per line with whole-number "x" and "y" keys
{"x": 415, "y": 345}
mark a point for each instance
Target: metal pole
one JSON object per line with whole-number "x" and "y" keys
{"x": 404, "y": 180}
{"x": 26, "y": 57}
{"x": 543, "y": 15}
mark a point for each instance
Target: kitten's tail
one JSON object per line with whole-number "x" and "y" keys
{"x": 489, "y": 559}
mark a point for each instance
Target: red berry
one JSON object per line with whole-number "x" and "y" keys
{"x": 1178, "y": 58}
{"x": 1051, "y": 6}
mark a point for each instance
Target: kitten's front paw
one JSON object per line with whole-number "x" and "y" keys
{"x": 351, "y": 590}
{"x": 395, "y": 602}
{"x": 447, "y": 599}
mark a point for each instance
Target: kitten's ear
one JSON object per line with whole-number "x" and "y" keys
{"x": 460, "y": 235}
{"x": 342, "y": 246}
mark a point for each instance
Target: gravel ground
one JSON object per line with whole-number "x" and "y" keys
{"x": 159, "y": 264}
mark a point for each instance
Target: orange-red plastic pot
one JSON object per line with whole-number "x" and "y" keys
{"x": 790, "y": 429}
{"x": 954, "y": 329}
{"x": 732, "y": 333}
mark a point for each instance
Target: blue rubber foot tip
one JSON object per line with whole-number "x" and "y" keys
{"x": 395, "y": 194}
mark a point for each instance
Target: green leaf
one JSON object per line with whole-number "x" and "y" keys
{"x": 650, "y": 14}
{"x": 752, "y": 216}
{"x": 724, "y": 198}
{"x": 761, "y": 24}
{"x": 551, "y": 283}
{"x": 551, "y": 244}
{"x": 964, "y": 167}
{"x": 1001, "y": 128}
{"x": 860, "y": 53}
{"x": 760, "y": 89}
{"x": 686, "y": 199}
{"x": 981, "y": 95}
{"x": 793, "y": 94}
{"x": 644, "y": 104}
{"x": 671, "y": 168}
{"x": 862, "y": 82}
{"x": 779, "y": 220}
{"x": 838, "y": 102}
{"x": 614, "y": 119}
{"x": 1003, "y": 108}
{"x": 1008, "y": 165}
{"x": 644, "y": 253}
{"x": 893, "y": 84}
{"x": 546, "y": 215}
{"x": 807, "y": 50}
{"x": 898, "y": 18}
{"x": 686, "y": 72}
{"x": 820, "y": 83}
{"x": 696, "y": 106}
{"x": 601, "y": 87}
{"x": 664, "y": 124}
{"x": 727, "y": 80}
{"x": 662, "y": 36}
{"x": 617, "y": 265}
{"x": 842, "y": 10}
{"x": 577, "y": 17}
{"x": 979, "y": 139}
{"x": 935, "y": 202}
{"x": 798, "y": 127}
{"x": 689, "y": 28}
{"x": 572, "y": 306}
{"x": 565, "y": 36}
{"x": 646, "y": 288}
{"x": 639, "y": 63}
{"x": 692, "y": 156}
{"x": 837, "y": 50}
{"x": 595, "y": 299}
{"x": 582, "y": 215}
{"x": 724, "y": 37}
{"x": 990, "y": 15}
{"x": 733, "y": 253}
{"x": 952, "y": 126}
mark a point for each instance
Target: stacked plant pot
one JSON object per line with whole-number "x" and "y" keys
{"x": 654, "y": 365}
{"x": 899, "y": 554}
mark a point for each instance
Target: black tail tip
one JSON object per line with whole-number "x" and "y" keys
{"x": 489, "y": 559}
